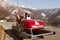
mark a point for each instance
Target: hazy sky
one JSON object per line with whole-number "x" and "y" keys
{"x": 40, "y": 4}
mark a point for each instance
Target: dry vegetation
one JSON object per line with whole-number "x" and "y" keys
{"x": 2, "y": 33}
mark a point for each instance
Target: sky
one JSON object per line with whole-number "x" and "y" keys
{"x": 40, "y": 4}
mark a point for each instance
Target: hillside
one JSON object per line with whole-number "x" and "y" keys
{"x": 51, "y": 14}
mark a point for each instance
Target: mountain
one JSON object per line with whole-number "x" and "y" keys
{"x": 51, "y": 15}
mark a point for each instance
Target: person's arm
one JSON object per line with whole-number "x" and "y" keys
{"x": 21, "y": 17}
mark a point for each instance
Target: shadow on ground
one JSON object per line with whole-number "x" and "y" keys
{"x": 12, "y": 35}
{"x": 15, "y": 37}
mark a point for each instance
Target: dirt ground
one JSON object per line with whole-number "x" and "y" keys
{"x": 54, "y": 37}
{"x": 47, "y": 37}
{"x": 12, "y": 36}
